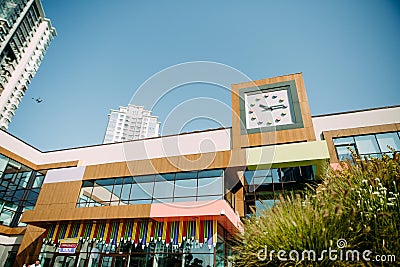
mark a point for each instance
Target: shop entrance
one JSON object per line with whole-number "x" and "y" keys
{"x": 126, "y": 254}
{"x": 105, "y": 260}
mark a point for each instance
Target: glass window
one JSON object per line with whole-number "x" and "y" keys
{"x": 165, "y": 177}
{"x": 126, "y": 190}
{"x": 367, "y": 144}
{"x": 264, "y": 204}
{"x": 185, "y": 188}
{"x": 104, "y": 182}
{"x": 86, "y": 192}
{"x": 32, "y": 196}
{"x": 296, "y": 173}
{"x": 117, "y": 192}
{"x": 387, "y": 140}
{"x": 119, "y": 181}
{"x": 38, "y": 180}
{"x": 210, "y": 186}
{"x": 261, "y": 173}
{"x": 164, "y": 189}
{"x": 18, "y": 194}
{"x": 101, "y": 194}
{"x": 258, "y": 176}
{"x": 142, "y": 191}
{"x": 261, "y": 180}
{"x": 87, "y": 184}
{"x": 275, "y": 175}
{"x": 210, "y": 173}
{"x": 343, "y": 140}
{"x": 186, "y": 175}
{"x": 128, "y": 180}
{"x": 117, "y": 189}
{"x": 249, "y": 176}
{"x": 344, "y": 152}
{"x": 3, "y": 163}
{"x": 144, "y": 178}
{"x": 6, "y": 216}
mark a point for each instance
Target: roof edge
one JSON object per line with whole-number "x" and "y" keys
{"x": 354, "y": 111}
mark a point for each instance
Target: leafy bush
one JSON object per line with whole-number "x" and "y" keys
{"x": 359, "y": 204}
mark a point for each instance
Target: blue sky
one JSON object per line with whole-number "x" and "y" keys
{"x": 348, "y": 52}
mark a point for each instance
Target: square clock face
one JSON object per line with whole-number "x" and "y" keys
{"x": 268, "y": 108}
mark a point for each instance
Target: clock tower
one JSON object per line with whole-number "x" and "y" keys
{"x": 271, "y": 111}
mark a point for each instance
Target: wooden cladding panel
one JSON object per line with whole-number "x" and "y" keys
{"x": 59, "y": 193}
{"x": 5, "y": 230}
{"x": 106, "y": 170}
{"x": 59, "y": 212}
{"x": 58, "y": 165}
{"x": 329, "y": 135}
{"x": 279, "y": 137}
{"x": 222, "y": 159}
{"x": 239, "y": 202}
{"x": 57, "y": 202}
{"x": 301, "y": 91}
{"x": 267, "y": 138}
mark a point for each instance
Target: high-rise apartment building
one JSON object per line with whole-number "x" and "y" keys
{"x": 25, "y": 35}
{"x": 130, "y": 123}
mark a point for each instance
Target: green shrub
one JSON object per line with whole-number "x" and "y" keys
{"x": 359, "y": 204}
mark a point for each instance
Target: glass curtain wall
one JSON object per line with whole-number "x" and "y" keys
{"x": 372, "y": 145}
{"x": 205, "y": 185}
{"x": 264, "y": 186}
{"x": 19, "y": 190}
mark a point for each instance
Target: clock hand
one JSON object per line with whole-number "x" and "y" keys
{"x": 277, "y": 106}
{"x": 271, "y": 107}
{"x": 264, "y": 107}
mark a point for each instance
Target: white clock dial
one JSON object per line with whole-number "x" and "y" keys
{"x": 266, "y": 109}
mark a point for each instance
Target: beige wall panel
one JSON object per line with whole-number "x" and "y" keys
{"x": 15, "y": 157}
{"x": 33, "y": 166}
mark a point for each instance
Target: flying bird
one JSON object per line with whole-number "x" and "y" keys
{"x": 38, "y": 100}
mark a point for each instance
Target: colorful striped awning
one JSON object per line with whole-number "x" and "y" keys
{"x": 138, "y": 232}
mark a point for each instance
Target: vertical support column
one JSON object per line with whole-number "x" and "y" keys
{"x": 30, "y": 247}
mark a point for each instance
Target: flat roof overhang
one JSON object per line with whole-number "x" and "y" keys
{"x": 287, "y": 155}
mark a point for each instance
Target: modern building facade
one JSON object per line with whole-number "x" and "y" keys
{"x": 25, "y": 35}
{"x": 168, "y": 201}
{"x": 130, "y": 123}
